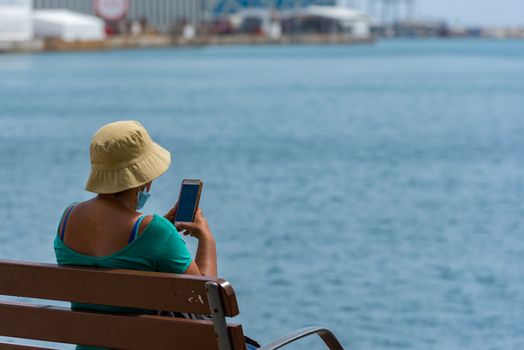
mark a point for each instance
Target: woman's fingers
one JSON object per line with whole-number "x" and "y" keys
{"x": 171, "y": 214}
{"x": 199, "y": 228}
{"x": 184, "y": 226}
{"x": 198, "y": 214}
{"x": 199, "y": 217}
{"x": 189, "y": 228}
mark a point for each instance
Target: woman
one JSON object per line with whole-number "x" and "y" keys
{"x": 108, "y": 231}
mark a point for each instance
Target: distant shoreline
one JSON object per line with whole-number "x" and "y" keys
{"x": 164, "y": 41}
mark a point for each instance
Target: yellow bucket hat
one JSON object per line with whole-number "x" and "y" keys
{"x": 123, "y": 156}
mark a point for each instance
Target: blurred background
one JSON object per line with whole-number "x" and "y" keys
{"x": 363, "y": 161}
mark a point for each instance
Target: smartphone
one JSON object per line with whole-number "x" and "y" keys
{"x": 188, "y": 200}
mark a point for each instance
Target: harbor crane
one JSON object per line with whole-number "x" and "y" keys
{"x": 390, "y": 11}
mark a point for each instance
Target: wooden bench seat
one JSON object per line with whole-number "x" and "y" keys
{"x": 125, "y": 288}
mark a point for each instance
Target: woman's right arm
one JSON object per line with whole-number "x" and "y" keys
{"x": 205, "y": 263}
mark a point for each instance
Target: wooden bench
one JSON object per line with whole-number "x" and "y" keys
{"x": 126, "y": 288}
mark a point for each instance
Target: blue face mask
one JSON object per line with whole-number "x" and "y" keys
{"x": 141, "y": 198}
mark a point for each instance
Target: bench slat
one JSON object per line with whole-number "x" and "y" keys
{"x": 128, "y": 288}
{"x": 132, "y": 332}
{"x": 6, "y": 346}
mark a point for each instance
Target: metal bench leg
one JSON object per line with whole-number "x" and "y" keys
{"x": 325, "y": 334}
{"x": 219, "y": 319}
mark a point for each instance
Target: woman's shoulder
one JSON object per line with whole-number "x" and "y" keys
{"x": 159, "y": 225}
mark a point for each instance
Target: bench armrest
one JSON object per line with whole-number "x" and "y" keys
{"x": 327, "y": 336}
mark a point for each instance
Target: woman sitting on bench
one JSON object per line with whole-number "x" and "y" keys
{"x": 108, "y": 230}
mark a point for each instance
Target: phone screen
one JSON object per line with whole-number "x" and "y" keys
{"x": 187, "y": 203}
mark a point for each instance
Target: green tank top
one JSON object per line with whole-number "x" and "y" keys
{"x": 158, "y": 248}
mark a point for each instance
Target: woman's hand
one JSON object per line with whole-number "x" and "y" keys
{"x": 171, "y": 214}
{"x": 199, "y": 228}
{"x": 205, "y": 263}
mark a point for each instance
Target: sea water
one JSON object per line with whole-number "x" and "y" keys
{"x": 377, "y": 190}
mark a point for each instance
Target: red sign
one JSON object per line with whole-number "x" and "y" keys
{"x": 111, "y": 10}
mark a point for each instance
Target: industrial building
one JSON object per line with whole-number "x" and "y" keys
{"x": 323, "y": 20}
{"x": 326, "y": 20}
{"x": 163, "y": 15}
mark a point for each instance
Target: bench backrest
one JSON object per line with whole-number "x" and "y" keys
{"x": 126, "y": 288}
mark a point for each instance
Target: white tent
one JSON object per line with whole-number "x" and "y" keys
{"x": 15, "y": 20}
{"x": 67, "y": 25}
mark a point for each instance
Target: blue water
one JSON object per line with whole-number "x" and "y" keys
{"x": 377, "y": 190}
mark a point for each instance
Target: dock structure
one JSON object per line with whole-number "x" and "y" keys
{"x": 61, "y": 24}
